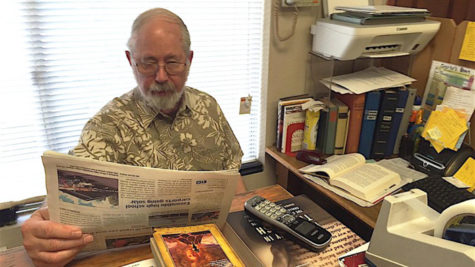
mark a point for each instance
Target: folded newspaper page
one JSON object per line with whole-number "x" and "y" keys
{"x": 121, "y": 204}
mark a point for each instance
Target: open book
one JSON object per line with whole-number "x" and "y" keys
{"x": 367, "y": 181}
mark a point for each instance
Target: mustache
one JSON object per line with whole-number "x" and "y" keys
{"x": 155, "y": 87}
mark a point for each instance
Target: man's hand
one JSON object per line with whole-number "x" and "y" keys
{"x": 49, "y": 243}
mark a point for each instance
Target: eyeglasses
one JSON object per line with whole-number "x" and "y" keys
{"x": 151, "y": 68}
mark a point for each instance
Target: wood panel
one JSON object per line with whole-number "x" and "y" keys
{"x": 459, "y": 10}
{"x": 437, "y": 8}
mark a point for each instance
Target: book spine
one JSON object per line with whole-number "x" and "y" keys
{"x": 369, "y": 122}
{"x": 280, "y": 126}
{"x": 341, "y": 129}
{"x": 355, "y": 104}
{"x": 405, "y": 119}
{"x": 310, "y": 131}
{"x": 329, "y": 145}
{"x": 383, "y": 125}
{"x": 322, "y": 129}
{"x": 397, "y": 117}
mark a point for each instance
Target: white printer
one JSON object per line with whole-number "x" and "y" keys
{"x": 348, "y": 41}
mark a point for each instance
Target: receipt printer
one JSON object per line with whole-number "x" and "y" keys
{"x": 446, "y": 163}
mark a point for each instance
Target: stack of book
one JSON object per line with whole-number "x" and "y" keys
{"x": 378, "y": 106}
{"x": 368, "y": 113}
{"x": 371, "y": 124}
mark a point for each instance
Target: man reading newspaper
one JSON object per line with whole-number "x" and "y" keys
{"x": 161, "y": 123}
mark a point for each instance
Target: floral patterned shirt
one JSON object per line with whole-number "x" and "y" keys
{"x": 127, "y": 131}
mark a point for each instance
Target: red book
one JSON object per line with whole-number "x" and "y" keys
{"x": 355, "y": 104}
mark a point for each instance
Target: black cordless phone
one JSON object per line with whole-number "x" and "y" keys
{"x": 299, "y": 228}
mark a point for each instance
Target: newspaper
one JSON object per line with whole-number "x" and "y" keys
{"x": 121, "y": 204}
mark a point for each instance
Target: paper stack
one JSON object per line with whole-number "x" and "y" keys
{"x": 370, "y": 79}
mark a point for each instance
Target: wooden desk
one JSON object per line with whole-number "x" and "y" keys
{"x": 118, "y": 258}
{"x": 361, "y": 220}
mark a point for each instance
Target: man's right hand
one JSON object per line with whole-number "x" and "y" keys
{"x": 49, "y": 243}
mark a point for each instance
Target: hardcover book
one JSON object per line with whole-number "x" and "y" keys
{"x": 343, "y": 115}
{"x": 369, "y": 122}
{"x": 387, "y": 108}
{"x": 356, "y": 105}
{"x": 405, "y": 119}
{"x": 403, "y": 93}
{"x": 327, "y": 128}
{"x": 199, "y": 245}
{"x": 275, "y": 250}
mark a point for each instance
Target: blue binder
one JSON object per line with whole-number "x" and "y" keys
{"x": 369, "y": 122}
{"x": 397, "y": 117}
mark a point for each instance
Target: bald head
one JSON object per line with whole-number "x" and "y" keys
{"x": 159, "y": 14}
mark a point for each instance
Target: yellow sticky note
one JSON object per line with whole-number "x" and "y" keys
{"x": 467, "y": 52}
{"x": 466, "y": 173}
{"x": 443, "y": 129}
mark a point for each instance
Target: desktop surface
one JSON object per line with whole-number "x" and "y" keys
{"x": 118, "y": 258}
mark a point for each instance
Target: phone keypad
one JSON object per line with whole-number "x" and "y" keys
{"x": 273, "y": 211}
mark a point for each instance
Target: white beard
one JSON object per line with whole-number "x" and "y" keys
{"x": 160, "y": 103}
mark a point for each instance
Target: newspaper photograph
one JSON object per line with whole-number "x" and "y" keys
{"x": 121, "y": 204}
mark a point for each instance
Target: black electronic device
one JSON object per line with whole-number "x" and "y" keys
{"x": 446, "y": 163}
{"x": 440, "y": 193}
{"x": 306, "y": 232}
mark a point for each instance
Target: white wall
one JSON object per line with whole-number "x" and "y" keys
{"x": 286, "y": 76}
{"x": 288, "y": 64}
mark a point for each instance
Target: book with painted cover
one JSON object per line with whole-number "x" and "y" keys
{"x": 368, "y": 181}
{"x": 199, "y": 245}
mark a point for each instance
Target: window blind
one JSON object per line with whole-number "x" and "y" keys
{"x": 64, "y": 60}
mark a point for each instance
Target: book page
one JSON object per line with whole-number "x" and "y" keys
{"x": 367, "y": 180}
{"x": 335, "y": 166}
